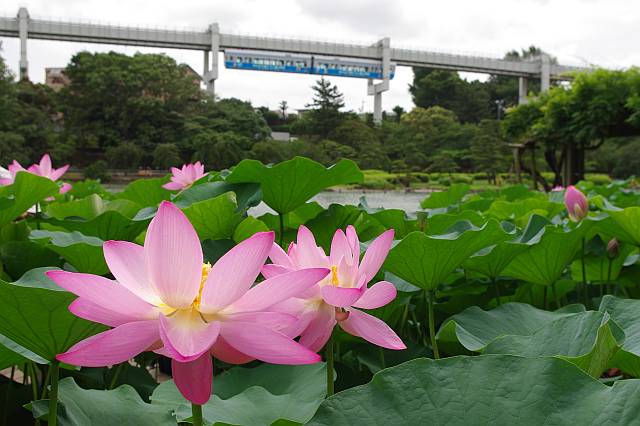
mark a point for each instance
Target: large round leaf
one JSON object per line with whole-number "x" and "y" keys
{"x": 626, "y": 314}
{"x": 34, "y": 314}
{"x": 483, "y": 390}
{"x": 122, "y": 406}
{"x": 81, "y": 251}
{"x": 544, "y": 262}
{"x": 426, "y": 261}
{"x": 475, "y": 328}
{"x": 585, "y": 339}
{"x": 255, "y": 396}
{"x": 288, "y": 185}
{"x": 26, "y": 191}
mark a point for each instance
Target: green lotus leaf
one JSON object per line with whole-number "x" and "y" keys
{"x": 426, "y": 261}
{"x": 122, "y": 406}
{"x": 483, "y": 390}
{"x": 626, "y": 314}
{"x": 254, "y": 396}
{"x": 585, "y": 339}
{"x": 288, "y": 185}
{"x": 110, "y": 225}
{"x": 442, "y": 199}
{"x": 25, "y": 192}
{"x": 83, "y": 252}
{"x": 91, "y": 207}
{"x": 475, "y": 328}
{"x": 146, "y": 192}
{"x": 544, "y": 262}
{"x": 34, "y": 314}
{"x": 214, "y": 218}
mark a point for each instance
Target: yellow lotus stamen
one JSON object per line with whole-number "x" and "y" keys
{"x": 206, "y": 267}
{"x": 334, "y": 276}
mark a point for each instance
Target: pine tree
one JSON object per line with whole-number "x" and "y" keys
{"x": 327, "y": 101}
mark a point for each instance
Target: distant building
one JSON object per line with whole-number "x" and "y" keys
{"x": 196, "y": 78}
{"x": 56, "y": 78}
{"x": 282, "y": 136}
{"x": 303, "y": 111}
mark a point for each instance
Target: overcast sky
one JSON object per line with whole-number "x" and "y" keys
{"x": 602, "y": 32}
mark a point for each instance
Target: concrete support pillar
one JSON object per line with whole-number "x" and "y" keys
{"x": 545, "y": 73}
{"x": 211, "y": 67}
{"x": 376, "y": 89}
{"x": 377, "y": 107}
{"x": 206, "y": 63}
{"x": 523, "y": 90}
{"x": 23, "y": 32}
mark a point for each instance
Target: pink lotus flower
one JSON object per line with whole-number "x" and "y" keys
{"x": 335, "y": 298}
{"x": 557, "y": 188}
{"x": 576, "y": 203}
{"x": 43, "y": 169}
{"x": 165, "y": 299}
{"x": 185, "y": 177}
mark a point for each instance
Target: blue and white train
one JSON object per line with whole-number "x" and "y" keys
{"x": 304, "y": 64}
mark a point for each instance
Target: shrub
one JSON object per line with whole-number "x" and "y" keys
{"x": 446, "y": 181}
{"x": 399, "y": 166}
{"x": 127, "y": 155}
{"x": 98, "y": 170}
{"x": 598, "y": 178}
{"x": 460, "y": 178}
{"x": 166, "y": 155}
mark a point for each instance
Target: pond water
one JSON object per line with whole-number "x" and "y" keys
{"x": 391, "y": 199}
{"x": 408, "y": 201}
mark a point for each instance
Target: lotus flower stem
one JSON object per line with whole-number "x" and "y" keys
{"x": 383, "y": 364}
{"x": 196, "y": 414}
{"x": 497, "y": 289}
{"x": 37, "y": 215}
{"x": 281, "y": 233}
{"x": 34, "y": 384}
{"x": 116, "y": 374}
{"x": 555, "y": 296}
{"x": 585, "y": 291}
{"x": 432, "y": 330}
{"x": 46, "y": 383}
{"x": 545, "y": 298}
{"x": 53, "y": 393}
{"x": 329, "y": 356}
{"x": 609, "y": 277}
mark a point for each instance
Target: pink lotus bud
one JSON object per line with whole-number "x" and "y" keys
{"x": 576, "y": 203}
{"x": 341, "y": 315}
{"x": 613, "y": 248}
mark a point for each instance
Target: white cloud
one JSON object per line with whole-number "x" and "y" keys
{"x": 596, "y": 31}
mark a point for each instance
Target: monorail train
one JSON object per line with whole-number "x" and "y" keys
{"x": 304, "y": 64}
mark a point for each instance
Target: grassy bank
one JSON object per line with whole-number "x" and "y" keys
{"x": 381, "y": 180}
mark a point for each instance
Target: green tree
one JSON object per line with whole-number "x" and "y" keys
{"x": 124, "y": 156}
{"x": 166, "y": 155}
{"x": 269, "y": 152}
{"x": 325, "y": 107}
{"x": 221, "y": 150}
{"x": 468, "y": 100}
{"x": 398, "y": 111}
{"x": 489, "y": 151}
{"x": 283, "y": 106}
{"x": 572, "y": 121}
{"x": 114, "y": 97}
